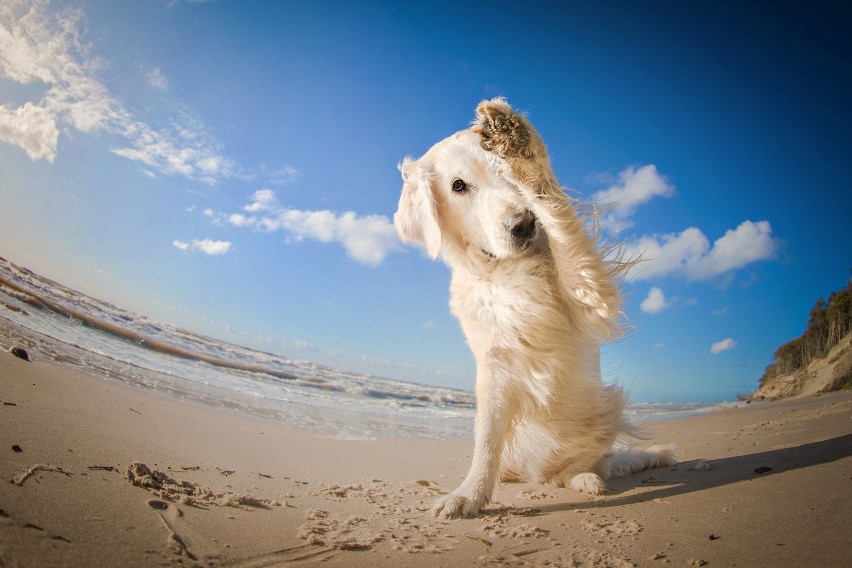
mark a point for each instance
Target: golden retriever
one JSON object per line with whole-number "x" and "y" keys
{"x": 535, "y": 297}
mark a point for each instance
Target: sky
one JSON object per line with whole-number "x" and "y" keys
{"x": 230, "y": 167}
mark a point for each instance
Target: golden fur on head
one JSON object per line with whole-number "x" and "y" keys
{"x": 534, "y": 296}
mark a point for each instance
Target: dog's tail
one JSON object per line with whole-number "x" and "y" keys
{"x": 625, "y": 462}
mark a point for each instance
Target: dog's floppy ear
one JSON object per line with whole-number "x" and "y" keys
{"x": 416, "y": 218}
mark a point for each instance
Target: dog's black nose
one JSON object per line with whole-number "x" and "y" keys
{"x": 522, "y": 226}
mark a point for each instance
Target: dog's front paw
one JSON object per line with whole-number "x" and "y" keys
{"x": 590, "y": 483}
{"x": 501, "y": 130}
{"x": 457, "y": 504}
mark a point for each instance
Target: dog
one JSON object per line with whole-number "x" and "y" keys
{"x": 535, "y": 297}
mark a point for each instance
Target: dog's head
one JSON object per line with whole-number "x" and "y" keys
{"x": 455, "y": 200}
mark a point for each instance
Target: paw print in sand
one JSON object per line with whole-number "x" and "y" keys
{"x": 502, "y": 130}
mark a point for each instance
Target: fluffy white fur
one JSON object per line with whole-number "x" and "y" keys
{"x": 535, "y": 298}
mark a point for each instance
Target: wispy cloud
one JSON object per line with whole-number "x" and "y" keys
{"x": 724, "y": 345}
{"x": 654, "y": 302}
{"x": 39, "y": 45}
{"x": 177, "y": 151}
{"x": 207, "y": 246}
{"x": 367, "y": 239}
{"x": 157, "y": 80}
{"x": 689, "y": 255}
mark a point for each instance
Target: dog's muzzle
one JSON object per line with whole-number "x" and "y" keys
{"x": 522, "y": 228}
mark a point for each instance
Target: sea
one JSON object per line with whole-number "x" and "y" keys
{"x": 55, "y": 323}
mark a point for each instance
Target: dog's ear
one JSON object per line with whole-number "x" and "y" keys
{"x": 416, "y": 218}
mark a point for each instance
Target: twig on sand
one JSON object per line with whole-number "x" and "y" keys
{"x": 19, "y": 481}
{"x": 487, "y": 543}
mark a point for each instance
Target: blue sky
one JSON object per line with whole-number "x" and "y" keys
{"x": 230, "y": 167}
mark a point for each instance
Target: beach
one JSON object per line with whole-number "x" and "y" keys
{"x": 99, "y": 473}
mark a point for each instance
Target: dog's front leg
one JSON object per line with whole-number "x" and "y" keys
{"x": 493, "y": 421}
{"x": 584, "y": 276}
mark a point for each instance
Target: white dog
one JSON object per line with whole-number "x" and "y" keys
{"x": 535, "y": 298}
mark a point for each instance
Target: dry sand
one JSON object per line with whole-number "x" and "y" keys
{"x": 95, "y": 473}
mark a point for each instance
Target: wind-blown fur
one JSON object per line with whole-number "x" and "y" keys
{"x": 535, "y": 297}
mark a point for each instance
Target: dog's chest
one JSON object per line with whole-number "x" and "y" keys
{"x": 500, "y": 308}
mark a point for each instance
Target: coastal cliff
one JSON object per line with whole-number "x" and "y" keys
{"x": 820, "y": 360}
{"x": 823, "y": 374}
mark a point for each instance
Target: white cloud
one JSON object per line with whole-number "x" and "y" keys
{"x": 723, "y": 345}
{"x": 27, "y": 53}
{"x": 666, "y": 254}
{"x": 30, "y": 127}
{"x": 749, "y": 242}
{"x": 655, "y": 302}
{"x": 212, "y": 247}
{"x": 634, "y": 187}
{"x": 207, "y": 246}
{"x": 176, "y": 151}
{"x": 38, "y": 45}
{"x": 264, "y": 200}
{"x": 157, "y": 80}
{"x": 688, "y": 254}
{"x": 368, "y": 239}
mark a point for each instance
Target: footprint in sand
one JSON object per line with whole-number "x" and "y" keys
{"x": 352, "y": 533}
{"x": 170, "y": 515}
{"x": 576, "y": 557}
{"x": 611, "y": 528}
{"x": 396, "y": 521}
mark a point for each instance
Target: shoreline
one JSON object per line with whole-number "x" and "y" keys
{"x": 262, "y": 494}
{"x": 266, "y": 397}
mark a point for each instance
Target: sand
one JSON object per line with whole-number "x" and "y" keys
{"x": 96, "y": 473}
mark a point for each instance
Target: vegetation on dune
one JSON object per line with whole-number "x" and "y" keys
{"x": 828, "y": 323}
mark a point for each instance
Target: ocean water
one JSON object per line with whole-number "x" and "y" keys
{"x": 56, "y": 323}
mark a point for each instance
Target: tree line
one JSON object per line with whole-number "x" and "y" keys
{"x": 828, "y": 323}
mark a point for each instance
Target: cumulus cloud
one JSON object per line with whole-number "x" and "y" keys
{"x": 689, "y": 254}
{"x": 634, "y": 187}
{"x": 655, "y": 302}
{"x": 368, "y": 239}
{"x": 31, "y": 128}
{"x": 723, "y": 345}
{"x": 207, "y": 246}
{"x": 38, "y": 45}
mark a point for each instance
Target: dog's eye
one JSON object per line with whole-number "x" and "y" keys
{"x": 459, "y": 185}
